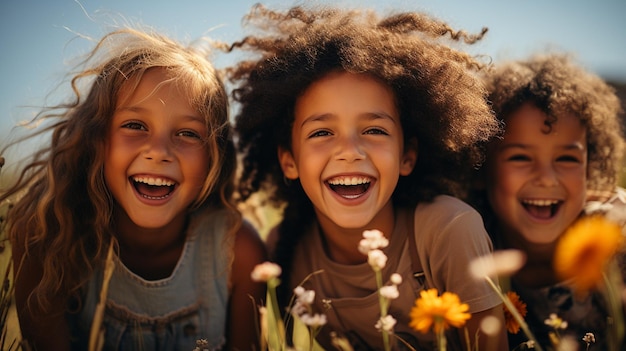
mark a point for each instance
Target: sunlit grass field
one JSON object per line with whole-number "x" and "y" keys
{"x": 10, "y": 337}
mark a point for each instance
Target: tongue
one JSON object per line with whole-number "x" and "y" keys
{"x": 152, "y": 190}
{"x": 543, "y": 212}
{"x": 350, "y": 190}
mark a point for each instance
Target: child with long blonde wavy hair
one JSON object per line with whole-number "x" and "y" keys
{"x": 143, "y": 164}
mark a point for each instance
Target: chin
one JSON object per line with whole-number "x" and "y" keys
{"x": 351, "y": 223}
{"x": 541, "y": 239}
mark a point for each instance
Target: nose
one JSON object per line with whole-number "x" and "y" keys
{"x": 349, "y": 148}
{"x": 158, "y": 148}
{"x": 546, "y": 175}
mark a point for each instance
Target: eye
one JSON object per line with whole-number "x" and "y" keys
{"x": 189, "y": 137}
{"x": 134, "y": 125}
{"x": 319, "y": 133}
{"x": 568, "y": 159}
{"x": 189, "y": 134}
{"x": 376, "y": 131}
{"x": 518, "y": 158}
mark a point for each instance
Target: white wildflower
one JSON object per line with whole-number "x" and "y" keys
{"x": 304, "y": 296}
{"x": 298, "y": 290}
{"x": 589, "y": 338}
{"x": 377, "y": 259}
{"x": 500, "y": 263}
{"x": 396, "y": 279}
{"x": 389, "y": 292}
{"x": 265, "y": 271}
{"x": 386, "y": 323}
{"x": 372, "y": 240}
{"x": 313, "y": 321}
{"x": 298, "y": 308}
{"x": 556, "y": 322}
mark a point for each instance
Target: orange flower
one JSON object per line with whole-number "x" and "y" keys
{"x": 584, "y": 250}
{"x": 511, "y": 324}
{"x": 438, "y": 312}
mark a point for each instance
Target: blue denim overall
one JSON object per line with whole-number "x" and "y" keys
{"x": 171, "y": 313}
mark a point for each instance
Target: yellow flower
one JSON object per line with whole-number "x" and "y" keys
{"x": 511, "y": 323}
{"x": 585, "y": 249}
{"x": 438, "y": 312}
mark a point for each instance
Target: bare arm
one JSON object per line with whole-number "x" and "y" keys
{"x": 246, "y": 294}
{"x": 42, "y": 329}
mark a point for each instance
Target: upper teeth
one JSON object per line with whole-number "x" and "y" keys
{"x": 154, "y": 181}
{"x": 348, "y": 180}
{"x": 540, "y": 202}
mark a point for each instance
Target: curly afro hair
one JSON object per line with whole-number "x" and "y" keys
{"x": 558, "y": 86}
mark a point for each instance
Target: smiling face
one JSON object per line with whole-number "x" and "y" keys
{"x": 156, "y": 161}
{"x": 348, "y": 149}
{"x": 536, "y": 180}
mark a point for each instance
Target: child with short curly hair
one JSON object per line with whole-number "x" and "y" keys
{"x": 141, "y": 164}
{"x": 355, "y": 121}
{"x": 562, "y": 147}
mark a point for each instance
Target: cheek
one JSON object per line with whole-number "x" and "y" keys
{"x": 577, "y": 184}
{"x": 502, "y": 187}
{"x": 197, "y": 165}
{"x": 501, "y": 179}
{"x": 113, "y": 160}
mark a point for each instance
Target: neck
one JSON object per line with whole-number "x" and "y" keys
{"x": 538, "y": 270}
{"x": 341, "y": 244}
{"x": 151, "y": 253}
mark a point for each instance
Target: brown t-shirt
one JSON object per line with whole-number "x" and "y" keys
{"x": 449, "y": 234}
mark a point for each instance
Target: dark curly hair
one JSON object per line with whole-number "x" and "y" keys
{"x": 440, "y": 98}
{"x": 558, "y": 86}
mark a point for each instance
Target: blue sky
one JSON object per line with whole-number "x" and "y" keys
{"x": 39, "y": 39}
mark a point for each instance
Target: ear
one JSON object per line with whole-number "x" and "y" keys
{"x": 409, "y": 159}
{"x": 287, "y": 163}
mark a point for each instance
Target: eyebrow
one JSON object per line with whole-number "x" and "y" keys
{"x": 573, "y": 146}
{"x": 140, "y": 109}
{"x": 328, "y": 116}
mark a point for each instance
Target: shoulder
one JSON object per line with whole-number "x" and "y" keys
{"x": 448, "y": 219}
{"x": 444, "y": 208}
{"x": 248, "y": 251}
{"x": 612, "y": 205}
{"x": 248, "y": 242}
{"x": 272, "y": 240}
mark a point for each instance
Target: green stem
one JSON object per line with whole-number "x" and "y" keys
{"x": 441, "y": 339}
{"x": 514, "y": 312}
{"x": 277, "y": 320}
{"x": 383, "y": 309}
{"x": 612, "y": 288}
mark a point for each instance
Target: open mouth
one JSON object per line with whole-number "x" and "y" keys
{"x": 542, "y": 209}
{"x": 349, "y": 187}
{"x": 153, "y": 188}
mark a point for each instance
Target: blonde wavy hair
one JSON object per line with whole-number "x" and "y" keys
{"x": 62, "y": 210}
